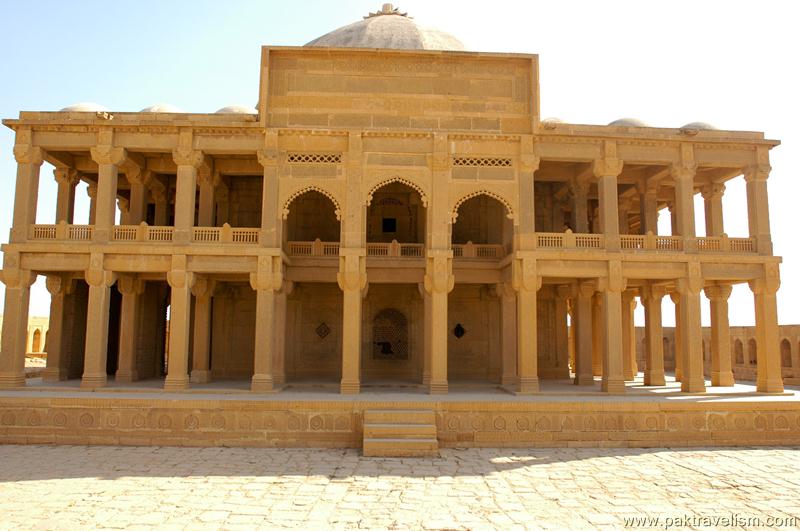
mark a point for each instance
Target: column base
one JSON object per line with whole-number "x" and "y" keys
{"x": 54, "y": 375}
{"x": 438, "y": 388}
{"x": 278, "y": 379}
{"x": 597, "y": 371}
{"x": 654, "y": 378}
{"x": 722, "y": 379}
{"x": 126, "y": 377}
{"x": 509, "y": 380}
{"x": 200, "y": 376}
{"x": 262, "y": 383}
{"x": 349, "y": 388}
{"x": 629, "y": 376}
{"x": 93, "y": 381}
{"x": 616, "y": 387}
{"x": 583, "y": 379}
{"x": 527, "y": 385}
{"x": 693, "y": 386}
{"x": 12, "y": 379}
{"x": 176, "y": 384}
{"x": 426, "y": 379}
{"x": 770, "y": 386}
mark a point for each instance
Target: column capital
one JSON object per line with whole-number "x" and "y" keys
{"x": 100, "y": 277}
{"x": 184, "y": 156}
{"x": 439, "y": 273}
{"x": 504, "y": 289}
{"x": 27, "y": 154}
{"x": 713, "y": 191}
{"x": 178, "y": 279}
{"x": 718, "y": 292}
{"x": 17, "y": 278}
{"x": 652, "y": 292}
{"x": 268, "y": 158}
{"x": 269, "y": 275}
{"x": 614, "y": 282}
{"x": 764, "y": 286}
{"x": 757, "y": 172}
{"x": 106, "y": 154}
{"x": 528, "y": 162}
{"x": 689, "y": 286}
{"x": 683, "y": 170}
{"x": 203, "y": 287}
{"x": 123, "y": 204}
{"x": 607, "y": 167}
{"x": 91, "y": 190}
{"x": 628, "y": 296}
{"x": 585, "y": 288}
{"x": 130, "y": 285}
{"x": 524, "y": 276}
{"x": 68, "y": 176}
{"x": 563, "y": 291}
{"x": 59, "y": 284}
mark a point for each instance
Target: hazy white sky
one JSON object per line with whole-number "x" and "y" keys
{"x": 730, "y": 63}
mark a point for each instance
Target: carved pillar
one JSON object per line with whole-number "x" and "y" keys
{"x": 629, "y": 368}
{"x": 131, "y": 288}
{"x": 597, "y": 335}
{"x": 188, "y": 161}
{"x": 207, "y": 180}
{"x": 91, "y": 191}
{"x": 202, "y": 290}
{"x": 580, "y": 206}
{"x": 266, "y": 281}
{"x": 271, "y": 215}
{"x": 124, "y": 212}
{"x": 279, "y": 356}
{"x": 508, "y": 338}
{"x": 439, "y": 282}
{"x": 526, "y": 283}
{"x": 26, "y": 195}
{"x": 67, "y": 179}
{"x": 606, "y": 171}
{"x": 15, "y": 321}
{"x": 137, "y": 208}
{"x": 108, "y": 159}
{"x": 181, "y": 282}
{"x": 624, "y": 212}
{"x": 721, "y": 370}
{"x": 712, "y": 200}
{"x": 648, "y": 206}
{"x": 611, "y": 289}
{"x": 59, "y": 286}
{"x": 582, "y": 301}
{"x": 692, "y": 380}
{"x": 768, "y": 378}
{"x": 683, "y": 174}
{"x": 654, "y": 335}
{"x": 562, "y": 332}
{"x": 96, "y": 349}
{"x": 162, "y": 204}
{"x": 758, "y": 203}
{"x": 426, "y": 344}
{"x": 352, "y": 278}
{"x": 677, "y": 340}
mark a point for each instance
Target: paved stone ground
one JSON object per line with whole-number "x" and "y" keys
{"x": 72, "y": 487}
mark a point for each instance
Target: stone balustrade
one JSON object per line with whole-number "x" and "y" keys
{"x": 144, "y": 233}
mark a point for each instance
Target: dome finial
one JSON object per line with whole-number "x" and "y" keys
{"x": 387, "y": 9}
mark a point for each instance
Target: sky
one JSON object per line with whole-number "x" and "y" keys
{"x": 730, "y": 63}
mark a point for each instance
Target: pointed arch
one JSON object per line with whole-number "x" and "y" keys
{"x": 423, "y": 194}
{"x": 312, "y": 188}
{"x": 506, "y": 203}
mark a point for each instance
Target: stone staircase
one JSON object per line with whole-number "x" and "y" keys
{"x": 400, "y": 433}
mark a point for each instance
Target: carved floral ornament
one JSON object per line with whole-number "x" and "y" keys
{"x": 411, "y": 184}
{"x": 297, "y": 193}
{"x": 464, "y": 199}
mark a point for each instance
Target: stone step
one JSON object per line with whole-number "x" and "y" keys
{"x": 399, "y": 431}
{"x": 386, "y": 447}
{"x": 399, "y": 416}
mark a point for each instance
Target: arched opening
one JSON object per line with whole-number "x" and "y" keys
{"x": 752, "y": 352}
{"x": 311, "y": 218}
{"x": 482, "y": 220}
{"x": 786, "y": 353}
{"x": 36, "y": 342}
{"x": 396, "y": 215}
{"x": 738, "y": 351}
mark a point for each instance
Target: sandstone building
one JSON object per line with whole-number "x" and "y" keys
{"x": 395, "y": 211}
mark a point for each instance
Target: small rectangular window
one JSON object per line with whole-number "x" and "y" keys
{"x": 389, "y": 225}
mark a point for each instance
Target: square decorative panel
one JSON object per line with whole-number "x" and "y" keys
{"x": 322, "y": 330}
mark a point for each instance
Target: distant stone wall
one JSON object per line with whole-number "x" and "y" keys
{"x": 743, "y": 351}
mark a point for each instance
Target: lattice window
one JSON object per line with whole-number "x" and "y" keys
{"x": 390, "y": 335}
{"x": 314, "y": 158}
{"x": 488, "y": 162}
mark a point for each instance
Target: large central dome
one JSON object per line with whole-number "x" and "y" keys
{"x": 388, "y": 28}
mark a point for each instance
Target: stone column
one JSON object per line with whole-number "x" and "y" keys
{"x": 91, "y": 191}
{"x": 271, "y": 215}
{"x": 677, "y": 336}
{"x": 508, "y": 334}
{"x": 279, "y": 357}
{"x": 426, "y": 345}
{"x": 606, "y": 170}
{"x": 758, "y": 204}
{"x": 597, "y": 335}
{"x": 768, "y": 377}
{"x": 205, "y": 209}
{"x": 181, "y": 282}
{"x": 611, "y": 289}
{"x": 721, "y": 370}
{"x": 59, "y": 286}
{"x": 652, "y": 296}
{"x": 562, "y": 294}
{"x": 137, "y": 207}
{"x": 161, "y": 206}
{"x": 202, "y": 290}
{"x": 188, "y": 161}
{"x": 712, "y": 199}
{"x": 266, "y": 281}
{"x": 124, "y": 212}
{"x": 67, "y": 179}
{"x": 15, "y": 321}
{"x": 624, "y": 212}
{"x": 131, "y": 288}
{"x": 691, "y": 333}
{"x": 96, "y": 349}
{"x": 580, "y": 213}
{"x": 527, "y": 283}
{"x": 108, "y": 159}
{"x": 648, "y": 202}
{"x": 683, "y": 175}
{"x": 629, "y": 367}
{"x": 29, "y": 162}
{"x": 582, "y": 300}
{"x": 439, "y": 282}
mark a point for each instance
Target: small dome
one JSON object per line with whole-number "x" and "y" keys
{"x": 237, "y": 109}
{"x": 84, "y": 107}
{"x": 628, "y": 122}
{"x": 703, "y": 126}
{"x": 388, "y": 28}
{"x": 552, "y": 120}
{"x": 161, "y": 107}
